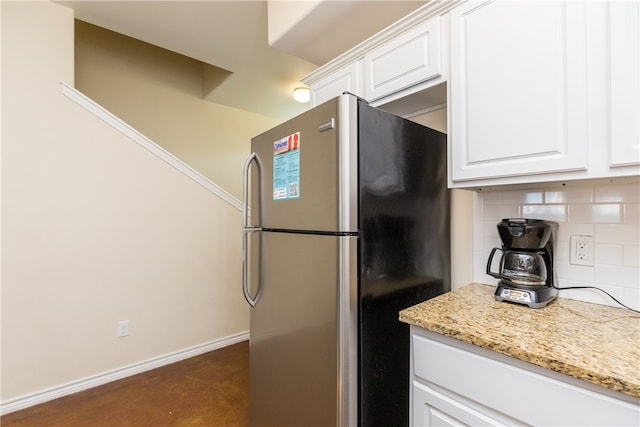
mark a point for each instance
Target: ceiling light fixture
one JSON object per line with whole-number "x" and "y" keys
{"x": 301, "y": 94}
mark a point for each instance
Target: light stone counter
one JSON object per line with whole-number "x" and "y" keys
{"x": 592, "y": 342}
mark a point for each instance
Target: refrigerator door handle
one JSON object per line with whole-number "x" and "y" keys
{"x": 245, "y": 285}
{"x": 245, "y": 187}
{"x": 246, "y": 229}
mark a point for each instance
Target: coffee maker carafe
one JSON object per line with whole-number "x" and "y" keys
{"x": 526, "y": 269}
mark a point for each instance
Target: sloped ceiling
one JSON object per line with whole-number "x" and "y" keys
{"x": 233, "y": 38}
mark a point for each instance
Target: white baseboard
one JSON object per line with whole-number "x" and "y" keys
{"x": 56, "y": 392}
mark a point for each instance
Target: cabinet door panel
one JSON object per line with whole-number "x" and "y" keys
{"x": 345, "y": 80}
{"x": 431, "y": 408}
{"x": 411, "y": 58}
{"x": 624, "y": 45}
{"x": 518, "y": 88}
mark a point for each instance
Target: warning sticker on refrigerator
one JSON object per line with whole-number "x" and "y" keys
{"x": 286, "y": 168}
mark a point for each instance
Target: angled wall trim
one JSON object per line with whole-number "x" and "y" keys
{"x": 145, "y": 142}
{"x": 117, "y": 374}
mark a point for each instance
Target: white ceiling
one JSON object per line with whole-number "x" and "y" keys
{"x": 232, "y": 35}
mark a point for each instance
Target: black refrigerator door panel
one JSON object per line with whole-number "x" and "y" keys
{"x": 404, "y": 251}
{"x": 300, "y": 175}
{"x": 294, "y": 330}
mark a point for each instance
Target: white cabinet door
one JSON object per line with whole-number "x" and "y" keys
{"x": 624, "y": 57}
{"x": 518, "y": 88}
{"x": 431, "y": 408}
{"x": 347, "y": 79}
{"x": 409, "y": 59}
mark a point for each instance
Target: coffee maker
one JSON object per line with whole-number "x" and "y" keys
{"x": 526, "y": 271}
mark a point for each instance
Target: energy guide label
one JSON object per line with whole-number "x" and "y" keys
{"x": 286, "y": 168}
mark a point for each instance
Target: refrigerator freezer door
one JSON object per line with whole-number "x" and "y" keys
{"x": 295, "y": 363}
{"x": 308, "y": 170}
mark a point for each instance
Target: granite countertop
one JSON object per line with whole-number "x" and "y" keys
{"x": 596, "y": 343}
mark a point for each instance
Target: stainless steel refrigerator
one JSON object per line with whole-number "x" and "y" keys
{"x": 348, "y": 225}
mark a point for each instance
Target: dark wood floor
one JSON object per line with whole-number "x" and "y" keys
{"x": 207, "y": 390}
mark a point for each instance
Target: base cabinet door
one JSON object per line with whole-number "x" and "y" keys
{"x": 518, "y": 89}
{"x": 431, "y": 409}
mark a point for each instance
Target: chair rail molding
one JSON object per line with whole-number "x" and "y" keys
{"x": 111, "y": 119}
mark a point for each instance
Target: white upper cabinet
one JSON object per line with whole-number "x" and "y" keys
{"x": 543, "y": 91}
{"x": 536, "y": 91}
{"x": 408, "y": 57}
{"x": 346, "y": 79}
{"x": 411, "y": 58}
{"x": 624, "y": 48}
{"x": 518, "y": 89}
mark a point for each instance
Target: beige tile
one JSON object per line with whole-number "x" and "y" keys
{"x": 548, "y": 212}
{"x": 618, "y": 193}
{"x": 570, "y": 195}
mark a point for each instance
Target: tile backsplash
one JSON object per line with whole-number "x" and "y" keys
{"x": 607, "y": 211}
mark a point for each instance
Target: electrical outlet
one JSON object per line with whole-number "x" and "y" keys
{"x": 581, "y": 250}
{"x": 123, "y": 328}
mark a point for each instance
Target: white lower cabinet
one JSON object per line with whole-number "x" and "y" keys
{"x": 431, "y": 408}
{"x": 455, "y": 383}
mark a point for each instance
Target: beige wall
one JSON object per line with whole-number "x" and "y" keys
{"x": 160, "y": 93}
{"x": 95, "y": 229}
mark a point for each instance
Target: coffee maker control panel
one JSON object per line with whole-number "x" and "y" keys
{"x": 535, "y": 298}
{"x": 515, "y": 295}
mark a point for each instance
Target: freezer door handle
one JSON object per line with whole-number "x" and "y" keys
{"x": 246, "y": 229}
{"x": 253, "y": 157}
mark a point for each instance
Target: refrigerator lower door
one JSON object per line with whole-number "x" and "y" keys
{"x": 295, "y": 366}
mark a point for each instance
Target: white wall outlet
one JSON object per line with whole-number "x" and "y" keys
{"x": 123, "y": 328}
{"x": 581, "y": 250}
